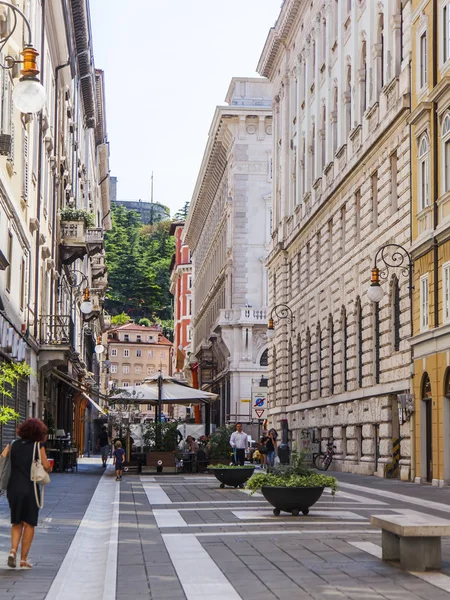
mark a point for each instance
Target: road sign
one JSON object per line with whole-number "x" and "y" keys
{"x": 259, "y": 404}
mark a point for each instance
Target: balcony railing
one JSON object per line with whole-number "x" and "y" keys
{"x": 94, "y": 235}
{"x": 56, "y": 330}
{"x": 243, "y": 315}
{"x": 73, "y": 231}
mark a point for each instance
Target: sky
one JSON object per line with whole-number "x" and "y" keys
{"x": 167, "y": 64}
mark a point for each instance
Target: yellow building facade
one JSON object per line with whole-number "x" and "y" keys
{"x": 430, "y": 232}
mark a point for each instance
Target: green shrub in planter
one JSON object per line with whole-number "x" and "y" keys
{"x": 219, "y": 443}
{"x": 77, "y": 214}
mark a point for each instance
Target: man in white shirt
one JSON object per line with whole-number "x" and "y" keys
{"x": 239, "y": 443}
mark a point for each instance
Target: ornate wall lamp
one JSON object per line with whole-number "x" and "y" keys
{"x": 75, "y": 279}
{"x": 280, "y": 312}
{"x": 392, "y": 256}
{"x": 28, "y": 94}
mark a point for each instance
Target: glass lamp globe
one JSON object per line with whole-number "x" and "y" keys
{"x": 375, "y": 293}
{"x": 29, "y": 96}
{"x": 270, "y": 333}
{"x": 99, "y": 348}
{"x": 86, "y": 307}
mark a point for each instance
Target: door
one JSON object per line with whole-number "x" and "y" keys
{"x": 429, "y": 439}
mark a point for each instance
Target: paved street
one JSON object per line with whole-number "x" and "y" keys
{"x": 182, "y": 537}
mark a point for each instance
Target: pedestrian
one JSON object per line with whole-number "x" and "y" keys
{"x": 263, "y": 450}
{"x": 20, "y": 492}
{"x": 119, "y": 458}
{"x": 271, "y": 445}
{"x": 239, "y": 443}
{"x": 103, "y": 444}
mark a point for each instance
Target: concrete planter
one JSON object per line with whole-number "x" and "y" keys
{"x": 235, "y": 477}
{"x": 291, "y": 499}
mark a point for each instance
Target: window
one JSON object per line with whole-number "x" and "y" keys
{"x": 150, "y": 353}
{"x": 359, "y": 342}
{"x": 150, "y": 370}
{"x": 113, "y": 351}
{"x": 357, "y": 215}
{"x": 136, "y": 384}
{"x": 424, "y": 175}
{"x": 362, "y": 80}
{"x": 189, "y": 334}
{"x": 395, "y": 296}
{"x": 394, "y": 183}
{"x": 374, "y": 180}
{"x": 189, "y": 281}
{"x": 139, "y": 338}
{"x": 126, "y": 337}
{"x": 446, "y": 291}
{"x": 331, "y": 351}
{"x": 126, "y": 369}
{"x": 343, "y": 233}
{"x": 138, "y": 369}
{"x": 126, "y": 384}
{"x": 344, "y": 340}
{"x": 348, "y": 100}
{"x": 9, "y": 257}
{"x": 423, "y": 73}
{"x": 319, "y": 359}
{"x": 446, "y": 151}
{"x": 446, "y": 32}
{"x": 126, "y": 353}
{"x": 424, "y": 303}
{"x": 189, "y": 306}
{"x": 299, "y": 362}
{"x": 290, "y": 355}
{"x": 22, "y": 283}
{"x": 264, "y": 360}
{"x": 113, "y": 368}
{"x": 308, "y": 363}
{"x": 149, "y": 338}
{"x": 138, "y": 353}
{"x": 334, "y": 119}
{"x": 380, "y": 51}
{"x": 376, "y": 338}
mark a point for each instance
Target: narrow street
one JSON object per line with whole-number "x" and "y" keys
{"x": 182, "y": 537}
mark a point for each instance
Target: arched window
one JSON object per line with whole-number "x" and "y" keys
{"x": 348, "y": 100}
{"x": 324, "y": 42}
{"x": 395, "y": 313}
{"x": 299, "y": 363}
{"x": 359, "y": 342}
{"x": 289, "y": 372}
{"x": 376, "y": 341}
{"x": 319, "y": 359}
{"x": 313, "y": 152}
{"x": 264, "y": 360}
{"x": 302, "y": 181}
{"x": 424, "y": 173}
{"x": 363, "y": 80}
{"x": 323, "y": 137}
{"x": 344, "y": 341}
{"x": 335, "y": 119}
{"x": 447, "y": 383}
{"x": 331, "y": 351}
{"x": 445, "y": 136}
{"x": 426, "y": 387}
{"x": 380, "y": 52}
{"x": 308, "y": 363}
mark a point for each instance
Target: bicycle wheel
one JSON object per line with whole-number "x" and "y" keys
{"x": 322, "y": 462}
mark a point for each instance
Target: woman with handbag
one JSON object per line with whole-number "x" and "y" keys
{"x": 23, "y": 497}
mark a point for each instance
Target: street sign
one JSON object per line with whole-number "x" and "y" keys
{"x": 259, "y": 404}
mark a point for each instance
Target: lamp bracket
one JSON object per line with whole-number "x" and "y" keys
{"x": 282, "y": 312}
{"x": 9, "y": 60}
{"x": 394, "y": 256}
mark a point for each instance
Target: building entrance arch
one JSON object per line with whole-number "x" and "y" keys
{"x": 426, "y": 426}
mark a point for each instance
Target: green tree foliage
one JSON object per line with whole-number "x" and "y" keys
{"x": 145, "y": 322}
{"x": 181, "y": 214}
{"x": 139, "y": 259}
{"x": 10, "y": 373}
{"x": 120, "y": 319}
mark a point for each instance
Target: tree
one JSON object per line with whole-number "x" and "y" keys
{"x": 10, "y": 373}
{"x": 145, "y": 322}
{"x": 120, "y": 319}
{"x": 182, "y": 213}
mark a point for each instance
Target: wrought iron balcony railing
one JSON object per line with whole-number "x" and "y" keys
{"x": 56, "y": 330}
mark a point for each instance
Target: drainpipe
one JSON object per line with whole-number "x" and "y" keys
{"x": 39, "y": 187}
{"x": 435, "y": 169}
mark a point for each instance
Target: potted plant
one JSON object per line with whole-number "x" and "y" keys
{"x": 232, "y": 475}
{"x": 69, "y": 214}
{"x": 291, "y": 488}
{"x": 161, "y": 439}
{"x": 220, "y": 451}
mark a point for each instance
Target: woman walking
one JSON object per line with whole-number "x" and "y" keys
{"x": 271, "y": 445}
{"x": 20, "y": 492}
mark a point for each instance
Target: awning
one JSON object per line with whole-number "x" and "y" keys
{"x": 77, "y": 386}
{"x": 170, "y": 392}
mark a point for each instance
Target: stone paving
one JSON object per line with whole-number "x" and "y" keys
{"x": 182, "y": 537}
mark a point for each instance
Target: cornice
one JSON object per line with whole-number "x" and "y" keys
{"x": 276, "y": 37}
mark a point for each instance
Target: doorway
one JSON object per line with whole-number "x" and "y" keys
{"x": 427, "y": 429}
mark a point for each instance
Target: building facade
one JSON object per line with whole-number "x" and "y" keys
{"x": 340, "y": 73}
{"x": 228, "y": 233}
{"x": 430, "y": 156}
{"x": 53, "y": 172}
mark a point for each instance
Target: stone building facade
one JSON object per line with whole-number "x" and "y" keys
{"x": 340, "y": 73}
{"x": 52, "y": 163}
{"x": 228, "y": 233}
{"x": 430, "y": 161}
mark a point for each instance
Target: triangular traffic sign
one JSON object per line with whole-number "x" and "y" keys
{"x": 259, "y": 412}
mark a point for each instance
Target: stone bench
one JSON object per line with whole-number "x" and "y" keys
{"x": 414, "y": 539}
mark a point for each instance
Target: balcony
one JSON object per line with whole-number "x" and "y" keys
{"x": 243, "y": 316}
{"x": 101, "y": 282}
{"x": 98, "y": 266}
{"x": 56, "y": 330}
{"x": 73, "y": 241}
{"x": 94, "y": 240}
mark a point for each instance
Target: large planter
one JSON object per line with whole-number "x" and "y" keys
{"x": 291, "y": 499}
{"x": 234, "y": 477}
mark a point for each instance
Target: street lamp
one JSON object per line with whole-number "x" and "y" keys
{"x": 99, "y": 348}
{"x": 86, "y": 305}
{"x": 281, "y": 312}
{"x": 393, "y": 256}
{"x": 28, "y": 94}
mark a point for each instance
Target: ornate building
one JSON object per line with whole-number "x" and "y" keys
{"x": 430, "y": 160}
{"x": 340, "y": 72}
{"x": 228, "y": 233}
{"x": 54, "y": 208}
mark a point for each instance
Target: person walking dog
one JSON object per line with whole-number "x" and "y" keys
{"x": 239, "y": 443}
{"x": 22, "y": 497}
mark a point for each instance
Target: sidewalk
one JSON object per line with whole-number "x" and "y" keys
{"x": 181, "y": 537}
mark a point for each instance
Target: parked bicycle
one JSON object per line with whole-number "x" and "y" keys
{"x": 323, "y": 460}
